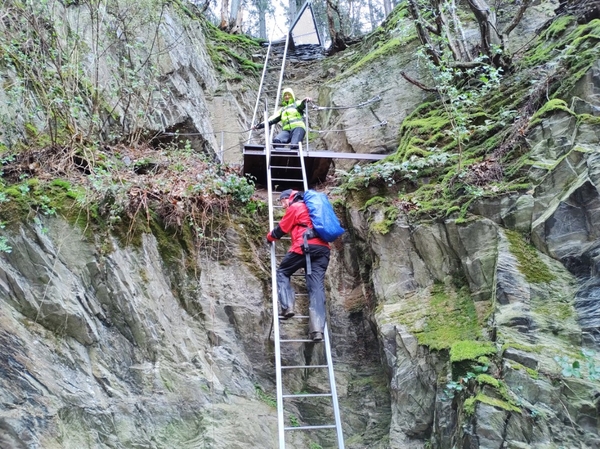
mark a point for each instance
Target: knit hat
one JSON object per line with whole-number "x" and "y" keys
{"x": 285, "y": 194}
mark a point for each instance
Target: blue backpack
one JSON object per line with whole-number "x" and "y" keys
{"x": 324, "y": 220}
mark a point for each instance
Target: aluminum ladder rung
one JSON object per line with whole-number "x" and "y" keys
{"x": 286, "y": 167}
{"x": 323, "y": 426}
{"x": 286, "y": 179}
{"x": 303, "y": 366}
{"x": 307, "y": 395}
{"x": 298, "y": 340}
{"x": 283, "y": 152}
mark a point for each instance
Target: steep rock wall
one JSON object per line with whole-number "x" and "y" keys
{"x": 538, "y": 305}
{"x": 113, "y": 345}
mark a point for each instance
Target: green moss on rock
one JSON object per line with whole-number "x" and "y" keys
{"x": 470, "y": 350}
{"x": 486, "y": 379}
{"x": 447, "y": 316}
{"x": 530, "y": 263}
{"x": 497, "y": 403}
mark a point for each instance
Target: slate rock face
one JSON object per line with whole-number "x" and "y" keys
{"x": 542, "y": 307}
{"x": 104, "y": 345}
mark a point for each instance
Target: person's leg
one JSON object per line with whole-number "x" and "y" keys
{"x": 315, "y": 284}
{"x": 282, "y": 137}
{"x": 297, "y": 135}
{"x": 291, "y": 263}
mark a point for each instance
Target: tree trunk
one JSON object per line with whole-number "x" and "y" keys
{"x": 487, "y": 22}
{"x": 372, "y": 15}
{"x": 423, "y": 31}
{"x": 387, "y": 7}
{"x": 338, "y": 40}
{"x": 292, "y": 11}
{"x": 224, "y": 15}
{"x": 236, "y": 17}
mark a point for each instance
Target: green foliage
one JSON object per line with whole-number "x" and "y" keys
{"x": 223, "y": 184}
{"x": 264, "y": 397}
{"x": 488, "y": 380}
{"x": 453, "y": 318}
{"x": 378, "y": 43}
{"x": 388, "y": 173}
{"x": 390, "y": 214}
{"x": 477, "y": 116}
{"x": 461, "y": 101}
{"x": 584, "y": 368}
{"x": 454, "y": 387}
{"x": 313, "y": 445}
{"x": 469, "y": 406}
{"x": 4, "y": 246}
{"x": 294, "y": 422}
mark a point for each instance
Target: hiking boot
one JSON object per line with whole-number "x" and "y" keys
{"x": 289, "y": 313}
{"x": 317, "y": 336}
{"x": 286, "y": 313}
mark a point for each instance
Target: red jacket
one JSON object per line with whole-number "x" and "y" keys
{"x": 292, "y": 223}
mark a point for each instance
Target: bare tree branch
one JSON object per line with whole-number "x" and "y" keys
{"x": 417, "y": 83}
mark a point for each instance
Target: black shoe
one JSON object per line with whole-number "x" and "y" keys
{"x": 317, "y": 336}
{"x": 289, "y": 313}
{"x": 286, "y": 313}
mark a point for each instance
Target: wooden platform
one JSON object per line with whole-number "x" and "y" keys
{"x": 285, "y": 164}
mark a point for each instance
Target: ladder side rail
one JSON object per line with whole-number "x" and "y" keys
{"x": 281, "y": 72}
{"x": 301, "y": 155}
{"x": 332, "y": 389}
{"x": 278, "y": 371}
{"x": 306, "y": 123}
{"x": 260, "y": 87}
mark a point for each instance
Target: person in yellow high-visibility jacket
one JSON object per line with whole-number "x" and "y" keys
{"x": 291, "y": 118}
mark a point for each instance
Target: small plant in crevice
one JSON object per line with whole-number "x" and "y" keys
{"x": 586, "y": 368}
{"x": 4, "y": 246}
{"x": 294, "y": 421}
{"x": 454, "y": 387}
{"x": 264, "y": 397}
{"x": 390, "y": 172}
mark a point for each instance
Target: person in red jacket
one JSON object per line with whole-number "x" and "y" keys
{"x": 307, "y": 251}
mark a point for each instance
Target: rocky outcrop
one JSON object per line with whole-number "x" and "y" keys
{"x": 149, "y": 64}
{"x": 536, "y": 300}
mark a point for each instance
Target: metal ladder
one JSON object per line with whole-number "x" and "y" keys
{"x": 285, "y": 167}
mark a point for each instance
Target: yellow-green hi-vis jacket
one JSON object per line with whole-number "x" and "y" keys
{"x": 290, "y": 115}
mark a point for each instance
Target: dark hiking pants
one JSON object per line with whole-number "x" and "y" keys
{"x": 315, "y": 283}
{"x": 293, "y": 137}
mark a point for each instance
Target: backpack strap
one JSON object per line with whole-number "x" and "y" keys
{"x": 308, "y": 234}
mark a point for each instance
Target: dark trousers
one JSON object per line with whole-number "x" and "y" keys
{"x": 315, "y": 283}
{"x": 294, "y": 136}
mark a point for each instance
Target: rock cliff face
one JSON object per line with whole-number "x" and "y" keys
{"x": 107, "y": 344}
